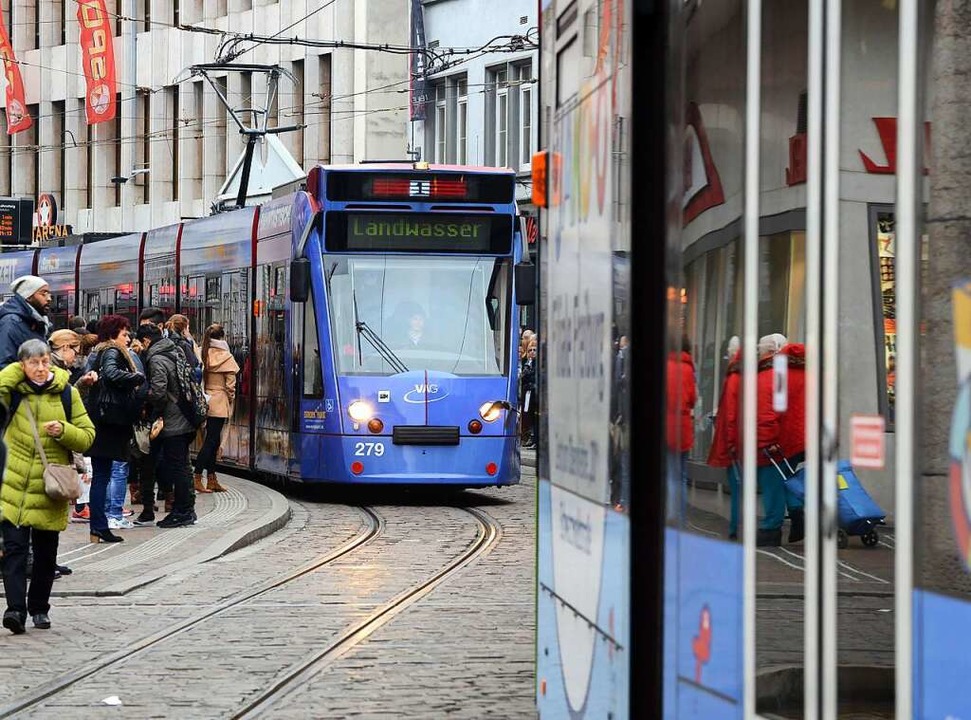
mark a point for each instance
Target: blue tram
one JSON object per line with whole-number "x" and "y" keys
{"x": 404, "y": 279}
{"x": 375, "y": 318}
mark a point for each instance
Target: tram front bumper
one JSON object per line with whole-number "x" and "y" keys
{"x": 474, "y": 462}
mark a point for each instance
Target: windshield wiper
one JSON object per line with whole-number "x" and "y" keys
{"x": 364, "y": 330}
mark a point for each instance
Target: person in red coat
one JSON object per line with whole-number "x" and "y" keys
{"x": 792, "y": 431}
{"x": 768, "y": 433}
{"x": 724, "y": 446}
{"x": 682, "y": 394}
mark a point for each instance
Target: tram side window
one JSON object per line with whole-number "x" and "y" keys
{"x": 313, "y": 382}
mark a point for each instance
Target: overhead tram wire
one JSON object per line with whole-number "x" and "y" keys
{"x": 162, "y": 135}
{"x": 228, "y": 55}
{"x": 309, "y": 108}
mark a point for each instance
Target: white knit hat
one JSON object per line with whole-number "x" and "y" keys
{"x": 27, "y": 285}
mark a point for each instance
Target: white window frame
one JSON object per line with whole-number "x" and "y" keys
{"x": 462, "y": 122}
{"x": 441, "y": 123}
{"x": 501, "y": 132}
{"x": 524, "y": 78}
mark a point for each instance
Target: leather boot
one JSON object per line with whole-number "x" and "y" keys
{"x": 135, "y": 490}
{"x": 197, "y": 484}
{"x": 169, "y": 501}
{"x": 797, "y": 525}
{"x": 213, "y": 484}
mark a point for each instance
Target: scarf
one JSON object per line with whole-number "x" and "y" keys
{"x": 42, "y": 319}
{"x": 40, "y": 388}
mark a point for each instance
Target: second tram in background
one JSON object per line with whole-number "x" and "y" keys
{"x": 375, "y": 318}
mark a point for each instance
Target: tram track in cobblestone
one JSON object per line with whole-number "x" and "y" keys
{"x": 374, "y": 525}
{"x": 488, "y": 535}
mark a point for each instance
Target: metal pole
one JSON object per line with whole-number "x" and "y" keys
{"x": 908, "y": 195}
{"x": 830, "y": 347}
{"x": 245, "y": 171}
{"x": 814, "y": 194}
{"x": 753, "y": 109}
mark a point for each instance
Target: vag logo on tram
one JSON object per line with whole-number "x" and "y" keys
{"x": 423, "y": 393}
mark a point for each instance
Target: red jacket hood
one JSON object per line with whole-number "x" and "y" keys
{"x": 796, "y": 353}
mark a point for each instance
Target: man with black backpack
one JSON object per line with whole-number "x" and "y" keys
{"x": 163, "y": 363}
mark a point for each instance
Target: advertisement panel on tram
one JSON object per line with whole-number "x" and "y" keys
{"x": 584, "y": 530}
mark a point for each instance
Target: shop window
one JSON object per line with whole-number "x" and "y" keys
{"x": 712, "y": 312}
{"x": 886, "y": 246}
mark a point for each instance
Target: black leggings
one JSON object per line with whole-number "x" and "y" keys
{"x": 206, "y": 459}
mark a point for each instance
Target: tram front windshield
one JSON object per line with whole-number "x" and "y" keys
{"x": 397, "y": 313}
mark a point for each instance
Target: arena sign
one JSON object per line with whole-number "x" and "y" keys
{"x": 45, "y": 227}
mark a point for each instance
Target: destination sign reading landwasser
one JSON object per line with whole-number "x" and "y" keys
{"x": 394, "y": 227}
{"x": 419, "y": 232}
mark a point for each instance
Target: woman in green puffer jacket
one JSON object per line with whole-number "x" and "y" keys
{"x": 29, "y": 515}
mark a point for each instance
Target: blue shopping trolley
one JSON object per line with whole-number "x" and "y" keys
{"x": 858, "y": 513}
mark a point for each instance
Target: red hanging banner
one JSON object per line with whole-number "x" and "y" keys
{"x": 17, "y": 117}
{"x": 98, "y": 60}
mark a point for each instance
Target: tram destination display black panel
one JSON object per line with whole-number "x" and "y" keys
{"x": 418, "y": 232}
{"x": 446, "y": 187}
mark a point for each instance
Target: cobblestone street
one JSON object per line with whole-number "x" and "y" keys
{"x": 464, "y": 650}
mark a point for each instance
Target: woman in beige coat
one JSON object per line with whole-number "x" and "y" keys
{"x": 219, "y": 380}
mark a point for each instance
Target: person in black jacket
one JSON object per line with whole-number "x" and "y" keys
{"x": 161, "y": 363}
{"x": 111, "y": 406}
{"x": 180, "y": 335}
{"x": 527, "y": 393}
{"x": 23, "y": 317}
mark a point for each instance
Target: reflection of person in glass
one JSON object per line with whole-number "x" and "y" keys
{"x": 724, "y": 449}
{"x": 770, "y": 481}
{"x": 682, "y": 394}
{"x": 792, "y": 431}
{"x": 620, "y": 427}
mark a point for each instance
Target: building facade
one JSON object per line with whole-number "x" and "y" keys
{"x": 482, "y": 110}
{"x": 714, "y": 182}
{"x": 169, "y": 151}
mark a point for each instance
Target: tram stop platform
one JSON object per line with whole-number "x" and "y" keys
{"x": 228, "y": 521}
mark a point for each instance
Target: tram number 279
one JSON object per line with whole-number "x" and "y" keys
{"x": 368, "y": 448}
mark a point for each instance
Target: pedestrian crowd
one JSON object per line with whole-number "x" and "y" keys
{"x": 92, "y": 414}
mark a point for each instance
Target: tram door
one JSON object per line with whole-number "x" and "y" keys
{"x": 791, "y": 351}
{"x": 98, "y": 303}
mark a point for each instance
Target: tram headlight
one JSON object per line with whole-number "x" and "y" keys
{"x": 359, "y": 411}
{"x": 490, "y": 411}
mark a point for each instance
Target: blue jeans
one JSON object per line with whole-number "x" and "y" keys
{"x": 117, "y": 489}
{"x": 734, "y": 487}
{"x": 100, "y": 477}
{"x": 773, "y": 489}
{"x": 677, "y": 472}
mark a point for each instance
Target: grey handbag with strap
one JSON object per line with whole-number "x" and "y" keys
{"x": 60, "y": 481}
